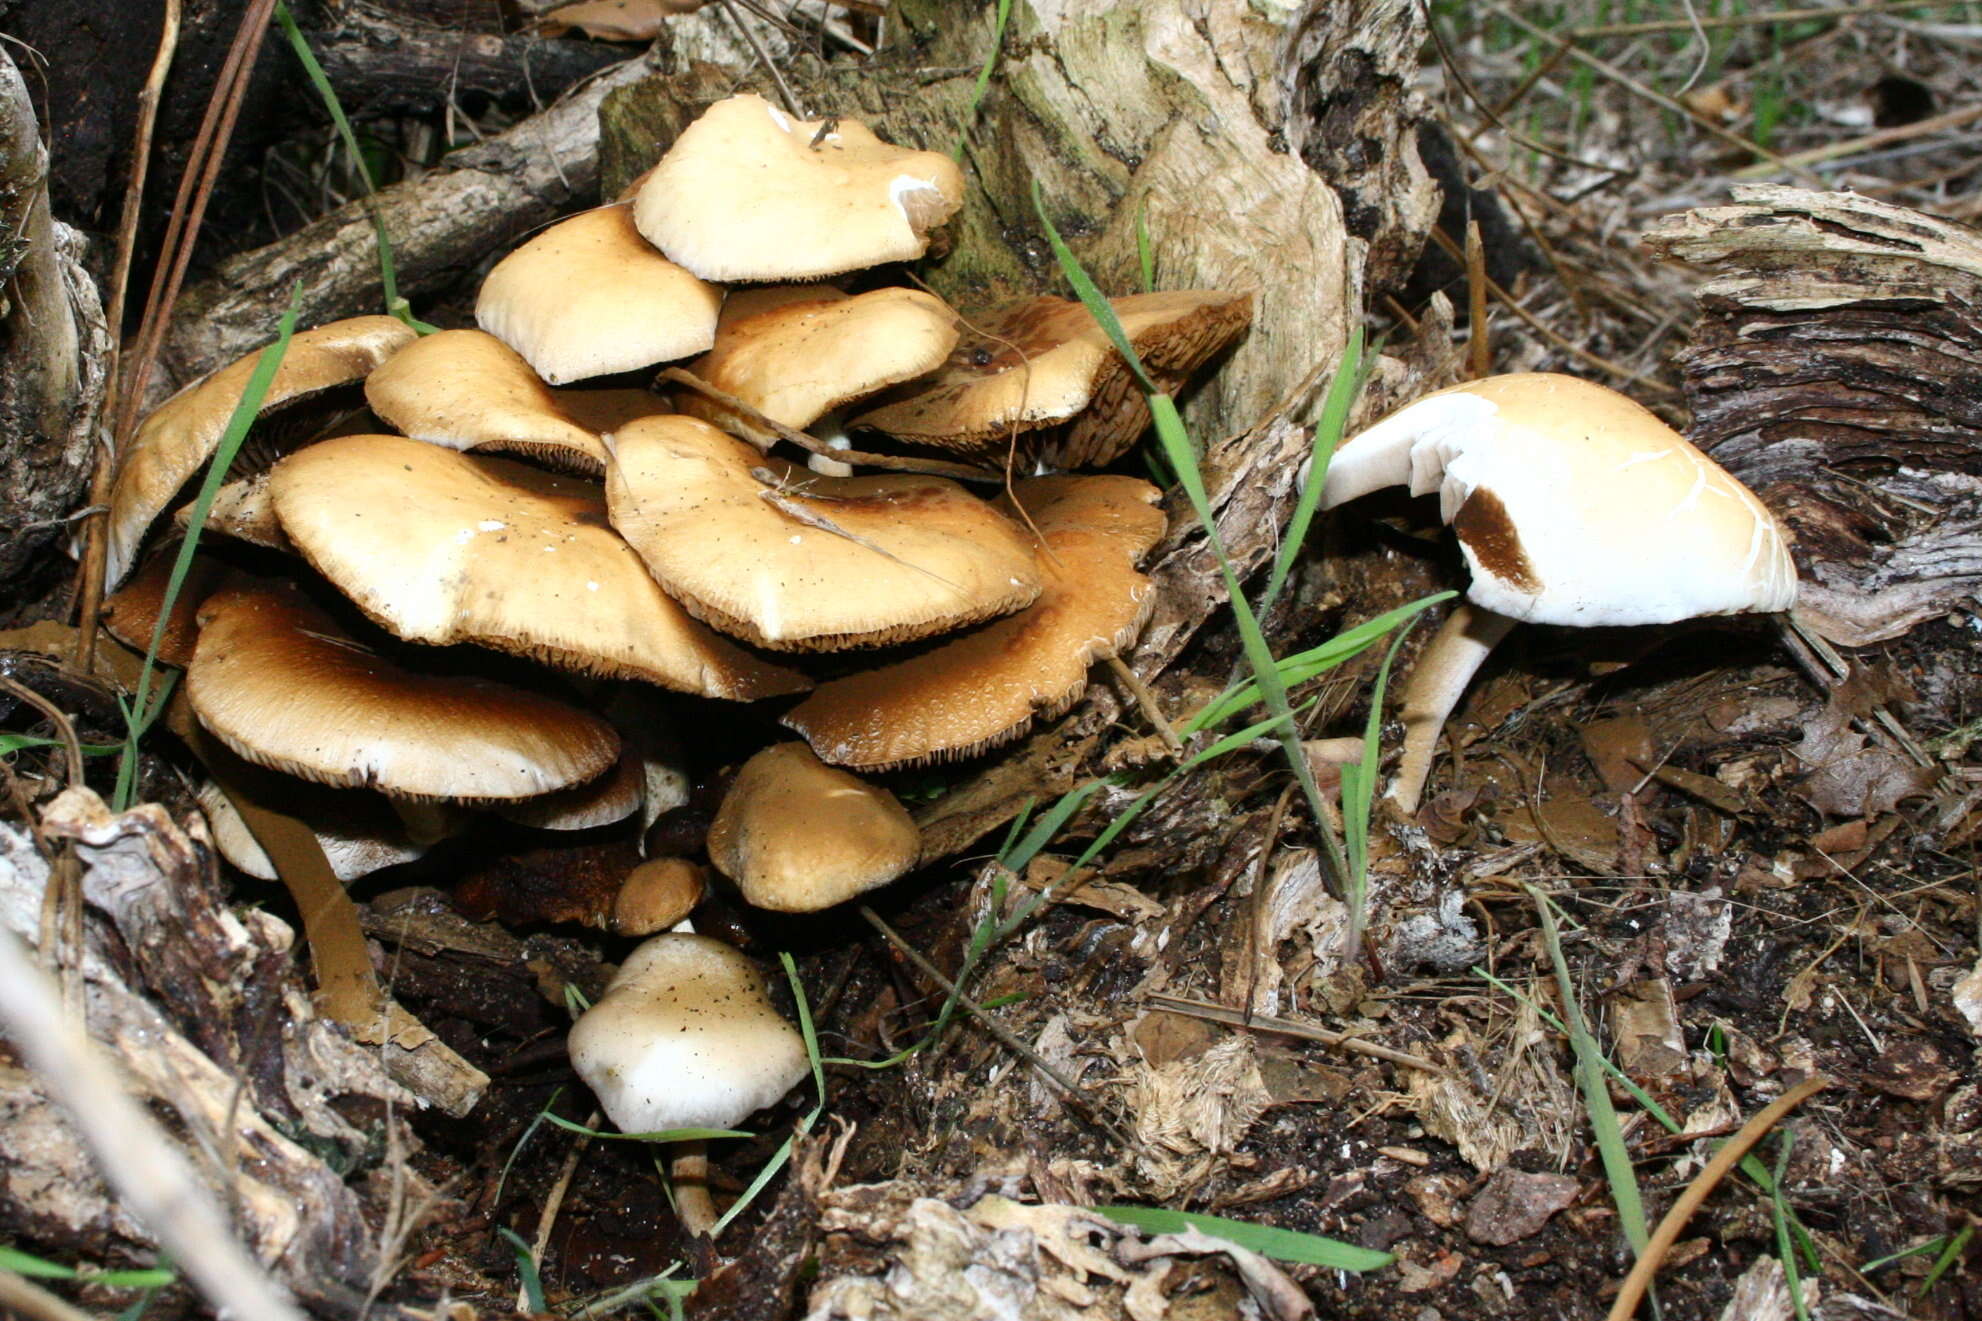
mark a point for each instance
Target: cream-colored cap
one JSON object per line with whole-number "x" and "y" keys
{"x": 748, "y": 193}
{"x": 768, "y": 551}
{"x": 1574, "y": 505}
{"x": 443, "y": 547}
{"x": 589, "y": 296}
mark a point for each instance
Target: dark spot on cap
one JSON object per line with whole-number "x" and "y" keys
{"x": 1484, "y": 526}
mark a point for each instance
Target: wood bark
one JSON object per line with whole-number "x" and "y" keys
{"x": 50, "y": 348}
{"x": 1836, "y": 367}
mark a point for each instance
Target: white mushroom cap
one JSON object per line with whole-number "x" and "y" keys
{"x": 686, "y": 1037}
{"x": 748, "y": 193}
{"x": 1575, "y": 505}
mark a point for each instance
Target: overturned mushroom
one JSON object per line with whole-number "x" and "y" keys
{"x": 798, "y": 836}
{"x": 1046, "y": 361}
{"x": 1573, "y": 505}
{"x": 788, "y": 559}
{"x": 444, "y": 547}
{"x": 748, "y": 193}
{"x": 987, "y": 687}
{"x": 180, "y": 435}
{"x": 589, "y": 297}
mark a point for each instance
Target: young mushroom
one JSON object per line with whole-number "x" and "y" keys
{"x": 1574, "y": 506}
{"x": 685, "y": 1036}
{"x": 797, "y": 835}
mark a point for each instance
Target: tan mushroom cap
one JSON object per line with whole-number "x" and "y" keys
{"x": 131, "y": 612}
{"x": 657, "y": 894}
{"x": 797, "y": 561}
{"x": 358, "y": 832}
{"x": 467, "y": 390}
{"x": 748, "y": 193}
{"x": 589, "y": 296}
{"x": 442, "y": 547}
{"x": 611, "y": 797}
{"x": 180, "y": 435}
{"x": 986, "y": 688}
{"x": 797, "y": 835}
{"x": 241, "y": 510}
{"x": 1046, "y": 361}
{"x": 277, "y": 681}
{"x": 796, "y": 362}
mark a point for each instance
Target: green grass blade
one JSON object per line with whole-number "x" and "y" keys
{"x": 1359, "y": 792}
{"x": 529, "y": 1131}
{"x": 1609, "y": 1133}
{"x": 1785, "y": 1245}
{"x": 388, "y": 269}
{"x": 1949, "y": 1255}
{"x": 1266, "y": 1240}
{"x": 146, "y": 707}
{"x": 983, "y": 83}
{"x": 658, "y": 1135}
{"x": 12, "y": 743}
{"x": 526, "y": 1268}
{"x": 1342, "y": 390}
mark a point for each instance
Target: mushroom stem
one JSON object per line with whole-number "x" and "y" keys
{"x": 689, "y": 1174}
{"x": 1439, "y": 679}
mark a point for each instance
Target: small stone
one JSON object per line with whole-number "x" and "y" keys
{"x": 1515, "y": 1204}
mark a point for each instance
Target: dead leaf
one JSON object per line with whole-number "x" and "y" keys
{"x": 1621, "y": 750}
{"x": 1848, "y": 777}
{"x": 615, "y": 20}
{"x": 1516, "y": 1204}
{"x": 1646, "y": 1025}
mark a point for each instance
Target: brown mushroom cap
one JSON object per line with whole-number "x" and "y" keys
{"x": 131, "y": 612}
{"x": 589, "y": 296}
{"x": 469, "y": 391}
{"x": 797, "y": 561}
{"x": 611, "y": 797}
{"x": 798, "y": 361}
{"x": 241, "y": 510}
{"x": 1046, "y": 360}
{"x": 748, "y": 193}
{"x": 798, "y": 836}
{"x": 443, "y": 547}
{"x": 657, "y": 894}
{"x": 276, "y": 680}
{"x": 180, "y": 435}
{"x": 985, "y": 688}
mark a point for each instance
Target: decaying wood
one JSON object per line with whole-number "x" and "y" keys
{"x": 485, "y": 199}
{"x": 387, "y": 64}
{"x": 51, "y": 330}
{"x": 230, "y": 1047}
{"x": 1836, "y": 367}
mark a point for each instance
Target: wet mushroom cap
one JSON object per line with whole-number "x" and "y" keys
{"x": 180, "y": 435}
{"x": 748, "y": 193}
{"x": 280, "y": 683}
{"x": 467, "y": 390}
{"x": 797, "y": 836}
{"x": 1046, "y": 361}
{"x": 657, "y": 894}
{"x": 791, "y": 560}
{"x": 685, "y": 1036}
{"x": 1575, "y": 505}
{"x": 130, "y": 614}
{"x": 443, "y": 547}
{"x": 987, "y": 687}
{"x": 589, "y": 297}
{"x": 796, "y": 362}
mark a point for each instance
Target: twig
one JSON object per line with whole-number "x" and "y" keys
{"x": 65, "y": 729}
{"x": 97, "y": 532}
{"x": 1841, "y": 13}
{"x": 999, "y": 1031}
{"x": 555, "y": 1202}
{"x": 1479, "y": 348}
{"x": 1287, "y": 1027}
{"x": 1152, "y": 710}
{"x": 764, "y": 58}
{"x": 30, "y": 1300}
{"x": 1885, "y": 137}
{"x": 134, "y": 1156}
{"x": 894, "y": 462}
{"x": 1703, "y": 1185}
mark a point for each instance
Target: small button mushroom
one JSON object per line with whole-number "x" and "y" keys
{"x": 797, "y": 835}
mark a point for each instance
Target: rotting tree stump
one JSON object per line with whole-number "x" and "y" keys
{"x": 1836, "y": 367}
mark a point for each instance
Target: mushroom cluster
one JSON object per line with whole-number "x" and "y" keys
{"x": 369, "y": 621}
